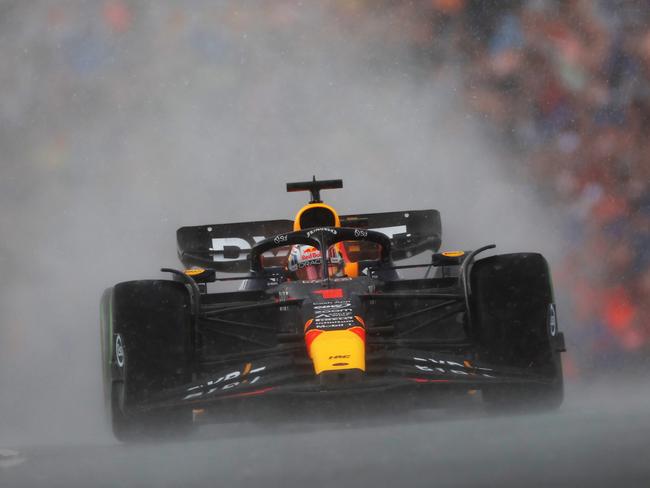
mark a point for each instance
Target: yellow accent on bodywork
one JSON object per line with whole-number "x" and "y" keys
{"x": 338, "y": 349}
{"x": 453, "y": 254}
{"x": 247, "y": 369}
{"x": 296, "y": 221}
{"x": 194, "y": 271}
{"x": 351, "y": 270}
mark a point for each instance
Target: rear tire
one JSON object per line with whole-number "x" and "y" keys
{"x": 515, "y": 323}
{"x": 147, "y": 348}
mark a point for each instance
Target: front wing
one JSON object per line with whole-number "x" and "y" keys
{"x": 392, "y": 370}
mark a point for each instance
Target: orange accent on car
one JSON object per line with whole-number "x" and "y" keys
{"x": 296, "y": 222}
{"x": 194, "y": 271}
{"x": 343, "y": 251}
{"x": 247, "y": 369}
{"x": 250, "y": 393}
{"x": 308, "y": 323}
{"x": 453, "y": 254}
{"x": 351, "y": 270}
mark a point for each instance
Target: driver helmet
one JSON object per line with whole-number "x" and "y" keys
{"x": 305, "y": 263}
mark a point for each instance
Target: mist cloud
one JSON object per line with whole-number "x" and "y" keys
{"x": 112, "y": 140}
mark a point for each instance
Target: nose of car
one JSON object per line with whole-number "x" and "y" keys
{"x": 335, "y": 336}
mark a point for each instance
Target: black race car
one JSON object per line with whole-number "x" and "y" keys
{"x": 323, "y": 314}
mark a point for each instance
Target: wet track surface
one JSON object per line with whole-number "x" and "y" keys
{"x": 600, "y": 437}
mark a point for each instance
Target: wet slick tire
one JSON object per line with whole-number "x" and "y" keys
{"x": 516, "y": 327}
{"x": 146, "y": 334}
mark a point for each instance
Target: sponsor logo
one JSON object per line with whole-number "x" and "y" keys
{"x": 247, "y": 376}
{"x": 335, "y": 279}
{"x": 308, "y": 263}
{"x": 333, "y": 314}
{"x": 552, "y": 320}
{"x": 446, "y": 367}
{"x": 119, "y": 351}
{"x": 322, "y": 229}
{"x": 391, "y": 231}
{"x": 281, "y": 238}
{"x": 219, "y": 244}
{"x": 360, "y": 233}
{"x": 303, "y": 257}
{"x": 310, "y": 253}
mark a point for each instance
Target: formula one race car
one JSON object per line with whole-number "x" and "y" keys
{"x": 322, "y": 313}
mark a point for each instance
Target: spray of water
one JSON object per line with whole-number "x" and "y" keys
{"x": 114, "y": 139}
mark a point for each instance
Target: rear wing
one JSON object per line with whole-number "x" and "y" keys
{"x": 226, "y": 247}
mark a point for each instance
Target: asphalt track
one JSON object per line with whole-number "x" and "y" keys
{"x": 600, "y": 437}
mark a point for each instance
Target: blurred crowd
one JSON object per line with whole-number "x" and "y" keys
{"x": 567, "y": 84}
